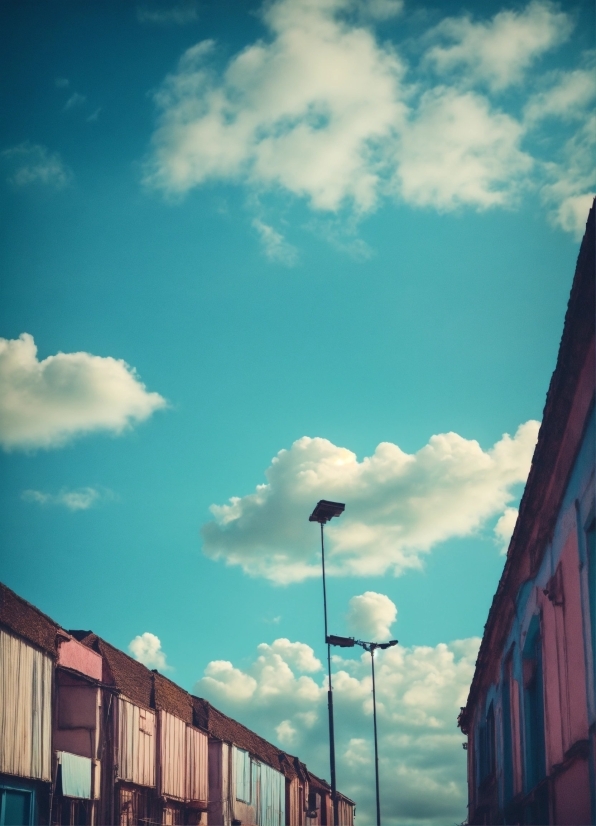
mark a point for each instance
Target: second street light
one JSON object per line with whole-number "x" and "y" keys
{"x": 323, "y": 512}
{"x": 349, "y": 642}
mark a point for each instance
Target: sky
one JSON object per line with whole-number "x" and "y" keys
{"x": 255, "y": 255}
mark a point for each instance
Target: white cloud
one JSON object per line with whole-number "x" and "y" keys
{"x": 276, "y": 247}
{"x": 74, "y": 101}
{"x": 566, "y": 99}
{"x": 398, "y": 506}
{"x": 500, "y": 50}
{"x": 325, "y": 110}
{"x": 305, "y": 111}
{"x": 35, "y": 164}
{"x": 179, "y": 15}
{"x": 62, "y": 82}
{"x": 419, "y": 694}
{"x": 371, "y": 616}
{"x": 75, "y": 500}
{"x": 47, "y": 403}
{"x": 477, "y": 161}
{"x": 504, "y": 527}
{"x": 146, "y": 648}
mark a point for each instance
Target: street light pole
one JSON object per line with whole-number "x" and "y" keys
{"x": 323, "y": 512}
{"x": 348, "y": 642}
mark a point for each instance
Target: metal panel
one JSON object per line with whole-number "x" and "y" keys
{"x": 271, "y": 796}
{"x": 135, "y": 743}
{"x": 197, "y": 778}
{"x": 172, "y": 755}
{"x": 25, "y": 709}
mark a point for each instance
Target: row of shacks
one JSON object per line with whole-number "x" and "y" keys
{"x": 90, "y": 736}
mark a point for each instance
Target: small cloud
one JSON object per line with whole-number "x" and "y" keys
{"x": 179, "y": 15}
{"x": 48, "y": 403}
{"x": 94, "y": 115}
{"x": 35, "y": 164}
{"x": 371, "y": 615}
{"x": 146, "y": 649}
{"x": 75, "y": 500}
{"x": 273, "y": 620}
{"x": 503, "y": 530}
{"x": 286, "y": 733}
{"x": 381, "y": 9}
{"x": 62, "y": 83}
{"x": 74, "y": 100}
{"x": 275, "y": 246}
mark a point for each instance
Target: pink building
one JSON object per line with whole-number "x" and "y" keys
{"x": 530, "y": 718}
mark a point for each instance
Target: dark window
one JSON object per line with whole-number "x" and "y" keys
{"x": 591, "y": 548}
{"x": 508, "y": 730}
{"x": 535, "y": 762}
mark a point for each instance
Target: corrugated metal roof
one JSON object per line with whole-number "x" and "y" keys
{"x": 27, "y": 621}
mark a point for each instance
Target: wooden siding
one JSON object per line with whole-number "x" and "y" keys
{"x": 26, "y": 709}
{"x": 172, "y": 756}
{"x": 135, "y": 743}
{"x": 197, "y": 778}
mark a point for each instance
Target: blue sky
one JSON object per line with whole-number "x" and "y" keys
{"x": 243, "y": 225}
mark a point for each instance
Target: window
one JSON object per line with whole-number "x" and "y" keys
{"x": 591, "y": 548}
{"x": 242, "y": 767}
{"x": 508, "y": 730}
{"x": 535, "y": 762}
{"x": 487, "y": 745}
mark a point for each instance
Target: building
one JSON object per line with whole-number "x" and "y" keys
{"x": 530, "y": 717}
{"x": 90, "y": 736}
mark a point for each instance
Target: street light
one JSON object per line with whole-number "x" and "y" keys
{"x": 348, "y": 642}
{"x": 323, "y": 512}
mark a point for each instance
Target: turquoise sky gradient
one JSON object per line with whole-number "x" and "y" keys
{"x": 262, "y": 316}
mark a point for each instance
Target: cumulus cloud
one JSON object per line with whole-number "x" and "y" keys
{"x": 504, "y": 527}
{"x": 75, "y": 500}
{"x": 398, "y": 507}
{"x": 499, "y": 51}
{"x": 371, "y": 615}
{"x": 47, "y": 403}
{"x": 419, "y": 694}
{"x": 32, "y": 163}
{"x": 325, "y": 110}
{"x": 146, "y": 648}
{"x": 478, "y": 160}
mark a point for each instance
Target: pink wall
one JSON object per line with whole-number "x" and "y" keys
{"x": 75, "y": 655}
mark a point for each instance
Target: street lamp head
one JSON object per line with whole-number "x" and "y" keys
{"x": 387, "y": 644}
{"x": 342, "y": 642}
{"x": 325, "y": 510}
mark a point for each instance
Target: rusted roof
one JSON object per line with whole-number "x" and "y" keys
{"x": 541, "y": 499}
{"x": 170, "y": 697}
{"x": 27, "y": 621}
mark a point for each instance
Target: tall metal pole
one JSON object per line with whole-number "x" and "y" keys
{"x": 329, "y": 694}
{"x": 372, "y": 658}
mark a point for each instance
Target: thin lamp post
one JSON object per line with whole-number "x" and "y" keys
{"x": 348, "y": 642}
{"x": 323, "y": 512}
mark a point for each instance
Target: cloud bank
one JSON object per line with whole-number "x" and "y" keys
{"x": 146, "y": 648}
{"x": 282, "y": 695}
{"x": 322, "y": 109}
{"x": 47, "y": 403}
{"x": 398, "y": 505}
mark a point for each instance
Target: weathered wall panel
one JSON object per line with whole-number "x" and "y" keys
{"x": 25, "y": 710}
{"x": 197, "y": 778}
{"x": 135, "y": 743}
{"x": 172, "y": 756}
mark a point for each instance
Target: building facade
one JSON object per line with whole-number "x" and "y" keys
{"x": 530, "y": 717}
{"x": 90, "y": 736}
